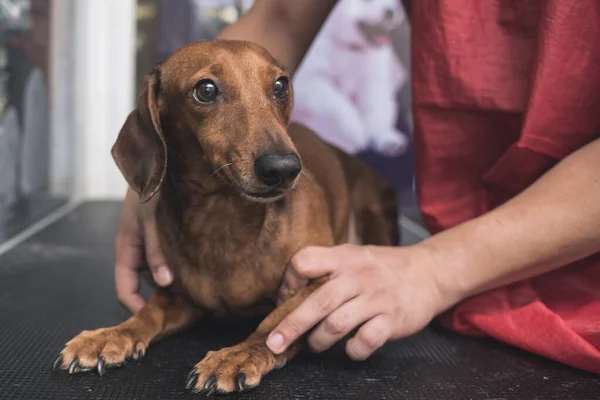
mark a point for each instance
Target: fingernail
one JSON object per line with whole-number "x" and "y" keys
{"x": 163, "y": 276}
{"x": 275, "y": 342}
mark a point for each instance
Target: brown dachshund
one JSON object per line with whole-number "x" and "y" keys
{"x": 236, "y": 192}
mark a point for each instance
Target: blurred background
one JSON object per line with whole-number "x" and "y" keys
{"x": 70, "y": 71}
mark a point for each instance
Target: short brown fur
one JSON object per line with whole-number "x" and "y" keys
{"x": 193, "y": 166}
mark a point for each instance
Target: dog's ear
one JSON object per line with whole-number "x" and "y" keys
{"x": 140, "y": 151}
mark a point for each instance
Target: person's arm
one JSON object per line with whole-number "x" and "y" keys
{"x": 285, "y": 28}
{"x": 554, "y": 222}
{"x": 394, "y": 292}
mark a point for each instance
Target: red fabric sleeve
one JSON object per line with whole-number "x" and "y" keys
{"x": 503, "y": 90}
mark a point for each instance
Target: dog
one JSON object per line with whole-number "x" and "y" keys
{"x": 349, "y": 79}
{"x": 237, "y": 190}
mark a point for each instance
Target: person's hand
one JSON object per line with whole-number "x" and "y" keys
{"x": 137, "y": 248}
{"x": 390, "y": 291}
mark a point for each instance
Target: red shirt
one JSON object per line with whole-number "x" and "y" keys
{"x": 503, "y": 90}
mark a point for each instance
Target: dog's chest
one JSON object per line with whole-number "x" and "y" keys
{"x": 228, "y": 260}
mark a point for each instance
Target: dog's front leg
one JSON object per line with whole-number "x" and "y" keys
{"x": 101, "y": 349}
{"x": 242, "y": 367}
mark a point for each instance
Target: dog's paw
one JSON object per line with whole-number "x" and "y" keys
{"x": 390, "y": 144}
{"x": 100, "y": 350}
{"x": 233, "y": 369}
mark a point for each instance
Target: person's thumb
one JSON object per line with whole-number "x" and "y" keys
{"x": 308, "y": 263}
{"x": 292, "y": 282}
{"x": 161, "y": 273}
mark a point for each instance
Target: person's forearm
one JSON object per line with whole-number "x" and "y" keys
{"x": 554, "y": 222}
{"x": 285, "y": 28}
{"x": 279, "y": 44}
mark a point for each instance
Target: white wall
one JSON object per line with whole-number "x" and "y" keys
{"x": 62, "y": 67}
{"x": 104, "y": 44}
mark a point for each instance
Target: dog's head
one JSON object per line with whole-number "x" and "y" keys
{"x": 228, "y": 103}
{"x": 367, "y": 22}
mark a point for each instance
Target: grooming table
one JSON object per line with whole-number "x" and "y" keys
{"x": 61, "y": 282}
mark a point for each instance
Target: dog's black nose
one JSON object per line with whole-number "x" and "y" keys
{"x": 389, "y": 13}
{"x": 275, "y": 169}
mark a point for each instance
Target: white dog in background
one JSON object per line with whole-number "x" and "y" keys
{"x": 346, "y": 87}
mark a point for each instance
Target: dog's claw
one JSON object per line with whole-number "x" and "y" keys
{"x": 57, "y": 363}
{"x": 101, "y": 366}
{"x": 210, "y": 384}
{"x": 211, "y": 391}
{"x": 240, "y": 381}
{"x": 140, "y": 355}
{"x": 192, "y": 379}
{"x": 73, "y": 366}
{"x": 191, "y": 373}
{"x": 129, "y": 360}
{"x": 280, "y": 363}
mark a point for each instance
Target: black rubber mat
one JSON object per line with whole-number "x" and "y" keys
{"x": 60, "y": 282}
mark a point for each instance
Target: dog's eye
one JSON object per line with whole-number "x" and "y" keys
{"x": 206, "y": 91}
{"x": 280, "y": 88}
